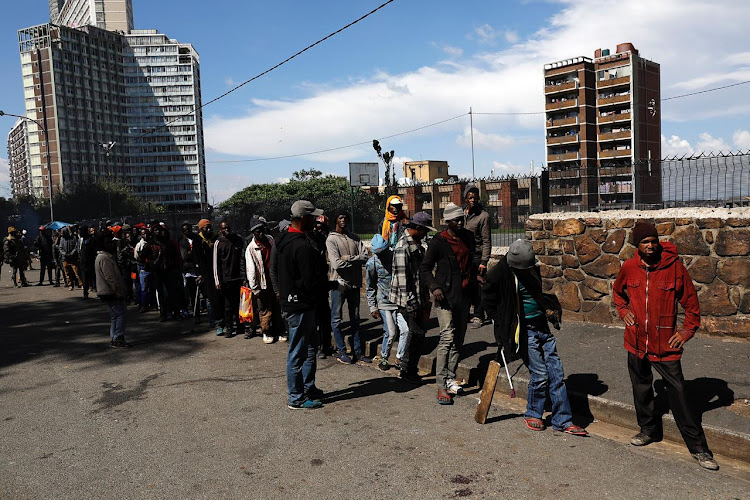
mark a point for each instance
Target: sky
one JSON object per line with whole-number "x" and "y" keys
{"x": 416, "y": 63}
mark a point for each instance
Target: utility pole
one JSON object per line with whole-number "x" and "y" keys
{"x": 471, "y": 130}
{"x": 108, "y": 149}
{"x": 43, "y": 128}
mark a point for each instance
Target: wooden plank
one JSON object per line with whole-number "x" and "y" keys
{"x": 488, "y": 390}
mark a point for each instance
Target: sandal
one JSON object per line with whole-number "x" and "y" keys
{"x": 575, "y": 430}
{"x": 534, "y": 424}
{"x": 444, "y": 398}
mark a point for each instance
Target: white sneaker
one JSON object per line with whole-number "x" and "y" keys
{"x": 283, "y": 338}
{"x": 453, "y": 387}
{"x": 267, "y": 339}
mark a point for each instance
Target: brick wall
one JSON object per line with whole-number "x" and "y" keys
{"x": 581, "y": 255}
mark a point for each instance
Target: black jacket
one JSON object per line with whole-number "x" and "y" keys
{"x": 440, "y": 268}
{"x": 43, "y": 243}
{"x": 229, "y": 259}
{"x": 302, "y": 279}
{"x": 87, "y": 251}
{"x": 191, "y": 257}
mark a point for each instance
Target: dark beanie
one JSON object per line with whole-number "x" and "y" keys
{"x": 470, "y": 188}
{"x": 643, "y": 230}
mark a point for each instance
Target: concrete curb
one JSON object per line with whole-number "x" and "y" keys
{"x": 722, "y": 441}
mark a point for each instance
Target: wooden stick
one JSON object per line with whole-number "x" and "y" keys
{"x": 488, "y": 390}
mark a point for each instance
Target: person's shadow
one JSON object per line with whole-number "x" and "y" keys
{"x": 369, "y": 387}
{"x": 580, "y": 386}
{"x": 704, "y": 394}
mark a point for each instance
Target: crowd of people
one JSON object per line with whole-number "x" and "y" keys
{"x": 301, "y": 277}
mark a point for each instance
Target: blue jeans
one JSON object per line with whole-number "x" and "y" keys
{"x": 546, "y": 371}
{"x": 394, "y": 325}
{"x": 301, "y": 361}
{"x": 146, "y": 290}
{"x": 337, "y": 305}
{"x": 117, "y": 310}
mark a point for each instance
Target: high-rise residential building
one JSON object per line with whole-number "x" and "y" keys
{"x": 603, "y": 130}
{"x": 18, "y": 159}
{"x": 137, "y": 92}
{"x": 110, "y": 15}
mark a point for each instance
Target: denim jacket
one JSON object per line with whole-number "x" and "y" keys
{"x": 378, "y": 281}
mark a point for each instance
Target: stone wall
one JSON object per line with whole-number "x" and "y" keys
{"x": 581, "y": 254}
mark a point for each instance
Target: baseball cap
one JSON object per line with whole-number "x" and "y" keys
{"x": 422, "y": 219}
{"x": 257, "y": 222}
{"x": 300, "y": 208}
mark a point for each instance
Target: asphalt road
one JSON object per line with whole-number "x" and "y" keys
{"x": 185, "y": 414}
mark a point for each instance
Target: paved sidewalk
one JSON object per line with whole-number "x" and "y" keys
{"x": 595, "y": 362}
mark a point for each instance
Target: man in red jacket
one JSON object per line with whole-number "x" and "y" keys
{"x": 646, "y": 294}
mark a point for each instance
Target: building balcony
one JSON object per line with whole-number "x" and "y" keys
{"x": 614, "y": 136}
{"x": 615, "y": 99}
{"x": 616, "y": 117}
{"x": 568, "y": 173}
{"x": 562, "y": 139}
{"x": 562, "y": 87}
{"x": 613, "y": 82}
{"x": 570, "y": 103}
{"x": 615, "y": 153}
{"x": 562, "y": 122}
{"x": 615, "y": 189}
{"x": 615, "y": 172}
{"x": 571, "y": 156}
{"x": 565, "y": 191}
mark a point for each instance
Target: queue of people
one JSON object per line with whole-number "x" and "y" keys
{"x": 301, "y": 278}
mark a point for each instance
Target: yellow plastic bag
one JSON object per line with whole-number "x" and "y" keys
{"x": 246, "y": 305}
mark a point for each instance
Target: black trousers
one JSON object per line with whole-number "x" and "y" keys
{"x": 642, "y": 379}
{"x": 48, "y": 265}
{"x": 231, "y": 292}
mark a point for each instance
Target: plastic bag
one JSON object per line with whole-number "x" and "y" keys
{"x": 246, "y": 305}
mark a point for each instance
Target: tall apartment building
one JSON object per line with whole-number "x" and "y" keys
{"x": 110, "y": 15}
{"x": 92, "y": 87}
{"x": 18, "y": 159}
{"x": 603, "y": 130}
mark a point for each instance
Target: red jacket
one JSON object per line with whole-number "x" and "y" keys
{"x": 652, "y": 296}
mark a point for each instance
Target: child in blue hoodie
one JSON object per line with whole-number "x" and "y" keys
{"x": 378, "y": 280}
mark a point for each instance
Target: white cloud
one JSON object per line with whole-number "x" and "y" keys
{"x": 508, "y": 80}
{"x": 511, "y": 36}
{"x": 741, "y": 139}
{"x": 283, "y": 180}
{"x": 675, "y": 146}
{"x": 500, "y": 169}
{"x": 4, "y": 171}
{"x": 709, "y": 144}
{"x": 229, "y": 81}
{"x": 492, "y": 142}
{"x": 452, "y": 51}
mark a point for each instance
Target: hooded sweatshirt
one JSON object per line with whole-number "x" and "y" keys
{"x": 301, "y": 274}
{"x": 652, "y": 294}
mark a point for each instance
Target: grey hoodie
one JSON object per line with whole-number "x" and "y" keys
{"x": 346, "y": 254}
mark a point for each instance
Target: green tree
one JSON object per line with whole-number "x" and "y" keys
{"x": 91, "y": 200}
{"x": 387, "y": 159}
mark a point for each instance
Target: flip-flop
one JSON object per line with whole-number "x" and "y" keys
{"x": 445, "y": 398}
{"x": 534, "y": 424}
{"x": 575, "y": 430}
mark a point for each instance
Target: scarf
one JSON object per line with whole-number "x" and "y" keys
{"x": 208, "y": 242}
{"x": 390, "y": 218}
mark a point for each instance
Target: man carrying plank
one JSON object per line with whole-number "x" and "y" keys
{"x": 513, "y": 298}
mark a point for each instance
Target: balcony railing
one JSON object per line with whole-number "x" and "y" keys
{"x": 614, "y": 136}
{"x": 615, "y": 189}
{"x": 570, "y": 173}
{"x": 613, "y": 82}
{"x": 562, "y": 122}
{"x": 565, "y": 191}
{"x": 562, "y": 139}
{"x": 570, "y": 103}
{"x": 562, "y": 87}
{"x": 575, "y": 155}
{"x": 616, "y": 117}
{"x": 614, "y": 172}
{"x": 615, "y": 153}
{"x": 615, "y": 99}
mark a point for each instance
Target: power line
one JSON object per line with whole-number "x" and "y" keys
{"x": 330, "y": 35}
{"x": 707, "y": 90}
{"x": 297, "y": 155}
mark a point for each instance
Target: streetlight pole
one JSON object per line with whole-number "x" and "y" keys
{"x": 107, "y": 150}
{"x": 43, "y": 127}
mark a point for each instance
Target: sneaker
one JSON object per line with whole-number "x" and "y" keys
{"x": 453, "y": 387}
{"x": 228, "y": 334}
{"x": 322, "y": 354}
{"x": 308, "y": 404}
{"x": 283, "y": 338}
{"x": 409, "y": 377}
{"x": 383, "y": 364}
{"x": 220, "y": 331}
{"x": 315, "y": 394}
{"x": 267, "y": 339}
{"x": 344, "y": 358}
{"x": 363, "y": 359}
{"x": 641, "y": 439}
{"x": 705, "y": 460}
{"x": 118, "y": 344}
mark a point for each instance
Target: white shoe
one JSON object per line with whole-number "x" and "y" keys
{"x": 283, "y": 338}
{"x": 453, "y": 387}
{"x": 267, "y": 339}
